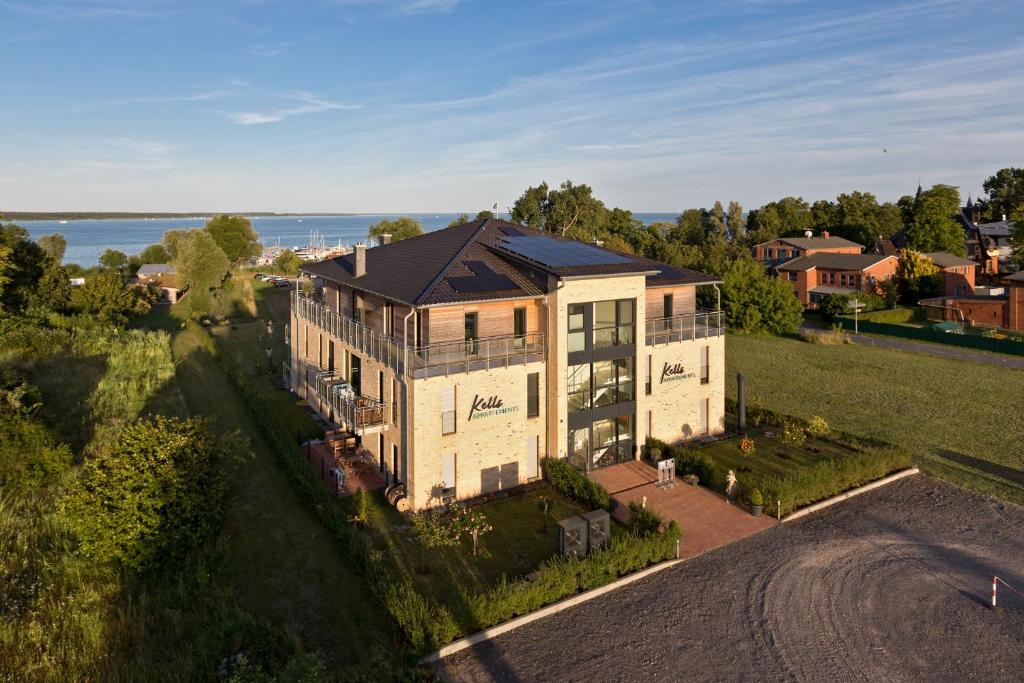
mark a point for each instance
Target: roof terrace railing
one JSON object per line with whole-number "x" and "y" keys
{"x": 432, "y": 360}
{"x": 352, "y": 411}
{"x": 676, "y": 328}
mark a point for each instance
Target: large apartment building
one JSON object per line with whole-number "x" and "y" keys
{"x": 462, "y": 357}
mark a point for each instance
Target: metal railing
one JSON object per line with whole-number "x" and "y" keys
{"x": 352, "y": 411}
{"x": 445, "y": 358}
{"x": 432, "y": 360}
{"x": 700, "y": 325}
{"x": 376, "y": 345}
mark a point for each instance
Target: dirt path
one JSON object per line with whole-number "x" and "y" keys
{"x": 890, "y": 586}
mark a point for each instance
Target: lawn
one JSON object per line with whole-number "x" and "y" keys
{"x": 770, "y": 456}
{"x": 958, "y": 418}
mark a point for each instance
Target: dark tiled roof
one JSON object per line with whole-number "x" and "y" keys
{"x": 830, "y": 242}
{"x": 834, "y": 261}
{"x": 477, "y": 261}
{"x": 944, "y": 259}
{"x": 1016, "y": 277}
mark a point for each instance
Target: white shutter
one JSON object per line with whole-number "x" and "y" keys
{"x": 532, "y": 456}
{"x": 448, "y": 410}
{"x": 448, "y": 470}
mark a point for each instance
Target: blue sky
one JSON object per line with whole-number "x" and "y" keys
{"x": 449, "y": 105}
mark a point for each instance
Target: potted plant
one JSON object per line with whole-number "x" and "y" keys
{"x": 756, "y": 502}
{"x": 655, "y": 454}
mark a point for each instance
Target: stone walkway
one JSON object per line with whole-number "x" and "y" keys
{"x": 706, "y": 518}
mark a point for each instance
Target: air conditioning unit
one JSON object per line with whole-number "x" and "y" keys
{"x": 572, "y": 537}
{"x": 598, "y": 529}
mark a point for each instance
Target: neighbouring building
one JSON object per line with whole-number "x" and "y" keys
{"x": 163, "y": 277}
{"x": 779, "y": 251}
{"x": 987, "y": 243}
{"x": 1001, "y": 307}
{"x": 462, "y": 357}
{"x": 817, "y": 276}
{"x": 957, "y": 273}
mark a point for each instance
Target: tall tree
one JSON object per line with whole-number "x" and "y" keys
{"x": 399, "y": 229}
{"x": 113, "y": 259}
{"x": 822, "y": 214}
{"x": 235, "y": 237}
{"x": 173, "y": 238}
{"x": 859, "y": 218}
{"x": 105, "y": 294}
{"x": 532, "y": 207}
{"x": 1017, "y": 236}
{"x": 764, "y": 224}
{"x": 575, "y": 212}
{"x": 54, "y": 245}
{"x": 486, "y": 213}
{"x": 26, "y": 263}
{"x": 715, "y": 221}
{"x": 689, "y": 227}
{"x": 755, "y": 302}
{"x": 734, "y": 219}
{"x": 933, "y": 226}
{"x": 201, "y": 266}
{"x": 461, "y": 219}
{"x": 154, "y": 253}
{"x": 1005, "y": 192}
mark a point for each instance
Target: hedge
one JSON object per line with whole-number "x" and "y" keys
{"x": 570, "y": 482}
{"x": 426, "y": 626}
{"x": 559, "y": 578}
{"x": 895, "y": 315}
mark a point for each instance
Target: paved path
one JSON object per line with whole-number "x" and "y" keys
{"x": 892, "y": 585}
{"x": 707, "y": 520}
{"x": 954, "y": 352}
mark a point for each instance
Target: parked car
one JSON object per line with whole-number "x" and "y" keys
{"x": 281, "y": 282}
{"x": 259, "y": 276}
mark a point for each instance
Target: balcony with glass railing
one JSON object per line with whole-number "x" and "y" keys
{"x": 431, "y": 360}
{"x": 687, "y": 327}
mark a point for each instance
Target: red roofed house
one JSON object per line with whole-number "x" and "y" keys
{"x": 778, "y": 251}
{"x": 817, "y": 276}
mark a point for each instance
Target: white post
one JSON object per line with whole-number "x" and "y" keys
{"x": 994, "y": 580}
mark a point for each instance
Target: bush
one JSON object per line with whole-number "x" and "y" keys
{"x": 570, "y": 482}
{"x": 700, "y": 464}
{"x": 818, "y": 427}
{"x": 747, "y": 446}
{"x": 756, "y": 498}
{"x": 150, "y": 496}
{"x": 560, "y": 578}
{"x": 434, "y": 529}
{"x": 643, "y": 521}
{"x": 793, "y": 435}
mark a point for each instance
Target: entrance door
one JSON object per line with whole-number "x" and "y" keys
{"x": 471, "y": 334}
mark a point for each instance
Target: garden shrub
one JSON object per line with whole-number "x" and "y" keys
{"x": 643, "y": 521}
{"x": 756, "y": 498}
{"x": 152, "y": 495}
{"x": 570, "y": 482}
{"x": 793, "y": 435}
{"x": 559, "y": 578}
{"x": 818, "y": 427}
{"x": 689, "y": 461}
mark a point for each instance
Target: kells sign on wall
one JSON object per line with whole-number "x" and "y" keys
{"x": 673, "y": 372}
{"x": 488, "y": 407}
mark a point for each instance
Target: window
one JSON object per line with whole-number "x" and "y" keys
{"x": 770, "y": 252}
{"x": 532, "y": 457}
{"x": 650, "y": 424}
{"x": 394, "y": 401}
{"x": 579, "y": 387}
{"x": 380, "y": 386}
{"x": 831, "y": 278}
{"x": 705, "y": 370}
{"x": 604, "y": 383}
{"x": 471, "y": 334}
{"x": 394, "y": 463}
{"x": 533, "y": 394}
{"x": 448, "y": 410}
{"x": 613, "y": 323}
{"x": 380, "y": 449}
{"x": 792, "y": 276}
{"x": 519, "y": 327}
{"x": 650, "y": 373}
{"x": 704, "y": 408}
{"x": 667, "y": 305}
{"x": 320, "y": 351}
{"x": 842, "y": 279}
{"x": 330, "y": 356}
{"x": 448, "y": 475}
{"x": 577, "y": 328}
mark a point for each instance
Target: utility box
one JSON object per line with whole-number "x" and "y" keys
{"x": 572, "y": 537}
{"x": 598, "y": 529}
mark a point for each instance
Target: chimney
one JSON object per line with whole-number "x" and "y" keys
{"x": 384, "y": 239}
{"x": 824, "y": 234}
{"x": 360, "y": 252}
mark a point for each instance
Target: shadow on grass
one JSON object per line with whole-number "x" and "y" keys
{"x": 995, "y": 469}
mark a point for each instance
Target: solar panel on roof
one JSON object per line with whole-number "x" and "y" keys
{"x": 557, "y": 253}
{"x": 483, "y": 280}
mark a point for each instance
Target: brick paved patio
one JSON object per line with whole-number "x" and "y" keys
{"x": 706, "y": 518}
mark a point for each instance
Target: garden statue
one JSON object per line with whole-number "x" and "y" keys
{"x": 730, "y": 485}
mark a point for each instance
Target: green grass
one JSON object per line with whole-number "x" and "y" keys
{"x": 956, "y": 417}
{"x": 770, "y": 456}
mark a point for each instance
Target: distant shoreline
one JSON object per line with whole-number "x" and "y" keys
{"x": 113, "y": 215}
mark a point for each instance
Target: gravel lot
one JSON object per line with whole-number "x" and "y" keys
{"x": 892, "y": 585}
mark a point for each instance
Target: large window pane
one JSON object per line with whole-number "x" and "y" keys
{"x": 579, "y": 440}
{"x": 579, "y": 387}
{"x": 577, "y": 341}
{"x": 604, "y": 313}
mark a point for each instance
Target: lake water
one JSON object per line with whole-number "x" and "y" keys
{"x": 87, "y": 239}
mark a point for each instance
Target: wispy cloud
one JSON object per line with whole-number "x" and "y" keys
{"x": 91, "y": 9}
{"x": 200, "y": 96}
{"x": 428, "y": 6}
{"x": 269, "y": 49}
{"x": 308, "y": 103}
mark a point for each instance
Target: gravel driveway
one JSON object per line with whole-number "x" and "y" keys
{"x": 892, "y": 585}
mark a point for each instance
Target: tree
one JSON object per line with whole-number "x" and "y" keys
{"x": 764, "y": 224}
{"x": 105, "y": 294}
{"x": 1005, "y": 192}
{"x": 822, "y": 214}
{"x": 714, "y": 221}
{"x": 151, "y": 495}
{"x": 53, "y": 245}
{"x": 172, "y": 239}
{"x": 154, "y": 253}
{"x": 288, "y": 262}
{"x": 734, "y": 220}
{"x": 794, "y": 215}
{"x": 6, "y": 266}
{"x": 890, "y": 293}
{"x": 201, "y": 266}
{"x": 399, "y": 229}
{"x": 531, "y": 209}
{"x": 858, "y": 217}
{"x": 25, "y": 263}
{"x": 486, "y": 213}
{"x": 755, "y": 302}
{"x": 113, "y": 259}
{"x": 54, "y": 291}
{"x": 235, "y": 237}
{"x": 919, "y": 277}
{"x": 1017, "y": 236}
{"x": 933, "y": 226}
{"x": 461, "y": 219}
{"x": 689, "y": 227}
{"x": 575, "y": 212}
